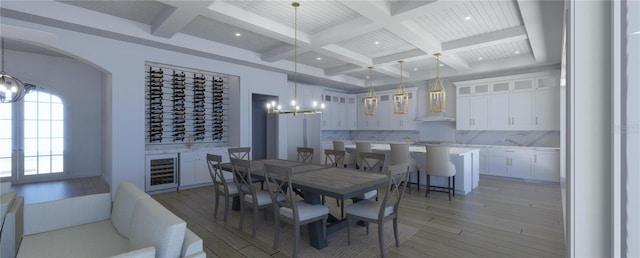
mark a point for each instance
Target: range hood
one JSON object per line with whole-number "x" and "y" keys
{"x": 440, "y": 117}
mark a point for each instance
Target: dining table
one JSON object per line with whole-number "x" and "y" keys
{"x": 315, "y": 181}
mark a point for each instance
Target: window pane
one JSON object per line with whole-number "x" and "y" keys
{"x": 57, "y": 164}
{"x": 30, "y": 165}
{"x": 44, "y": 129}
{"x": 44, "y": 146}
{"x": 44, "y": 165}
{"x": 58, "y": 129}
{"x": 5, "y": 111}
{"x": 44, "y": 97}
{"x": 5, "y": 167}
{"x": 30, "y": 110}
{"x": 30, "y": 129}
{"x": 6, "y": 128}
{"x": 5, "y": 148}
{"x": 31, "y": 97}
{"x": 30, "y": 147}
{"x": 44, "y": 111}
{"x": 56, "y": 112}
{"x": 57, "y": 146}
{"x": 55, "y": 99}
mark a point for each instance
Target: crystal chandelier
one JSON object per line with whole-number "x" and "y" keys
{"x": 437, "y": 93}
{"x": 295, "y": 109}
{"x": 371, "y": 100}
{"x": 401, "y": 98}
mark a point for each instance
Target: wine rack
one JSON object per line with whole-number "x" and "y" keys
{"x": 186, "y": 106}
{"x": 162, "y": 172}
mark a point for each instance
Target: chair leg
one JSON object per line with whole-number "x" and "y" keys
{"x": 296, "y": 241}
{"x": 381, "y": 238}
{"x": 366, "y": 223}
{"x": 226, "y": 208}
{"x": 255, "y": 220}
{"x": 454, "y": 185}
{"x": 418, "y": 180}
{"x": 426, "y": 194}
{"x": 348, "y": 230}
{"x": 215, "y": 203}
{"x": 241, "y": 213}
{"x": 395, "y": 230}
{"x": 342, "y": 209}
{"x": 276, "y": 237}
{"x": 449, "y": 187}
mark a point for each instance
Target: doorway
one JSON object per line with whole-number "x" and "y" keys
{"x": 264, "y": 128}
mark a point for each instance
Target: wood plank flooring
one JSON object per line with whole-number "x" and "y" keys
{"x": 501, "y": 218}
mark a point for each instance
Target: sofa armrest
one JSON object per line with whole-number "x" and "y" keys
{"x": 53, "y": 215}
{"x": 12, "y": 229}
{"x": 147, "y": 252}
{"x": 200, "y": 254}
{"x": 191, "y": 245}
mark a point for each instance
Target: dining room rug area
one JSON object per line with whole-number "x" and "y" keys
{"x": 362, "y": 245}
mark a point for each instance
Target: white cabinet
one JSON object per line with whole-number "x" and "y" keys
{"x": 547, "y": 109}
{"x": 546, "y": 165}
{"x": 472, "y": 113}
{"x": 386, "y": 119}
{"x": 404, "y": 121}
{"x": 509, "y": 162}
{"x": 193, "y": 166}
{"x": 352, "y": 112}
{"x": 511, "y": 111}
{"x": 518, "y": 102}
{"x": 334, "y": 116}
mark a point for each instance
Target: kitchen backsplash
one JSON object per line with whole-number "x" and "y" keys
{"x": 440, "y": 133}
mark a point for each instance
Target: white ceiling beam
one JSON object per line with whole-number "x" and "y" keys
{"x": 407, "y": 56}
{"x": 484, "y": 40}
{"x": 176, "y": 17}
{"x": 343, "y": 69}
{"x": 343, "y": 53}
{"x": 531, "y": 13}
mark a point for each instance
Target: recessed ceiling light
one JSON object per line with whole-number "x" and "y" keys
{"x": 415, "y": 69}
{"x": 467, "y": 18}
{"x": 441, "y": 65}
{"x": 517, "y": 52}
{"x": 480, "y": 58}
{"x": 318, "y": 58}
{"x": 636, "y": 33}
{"x": 377, "y": 42}
{"x": 238, "y": 34}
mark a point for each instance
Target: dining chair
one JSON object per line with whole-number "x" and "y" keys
{"x": 335, "y": 158}
{"x": 288, "y": 209}
{"x": 438, "y": 164}
{"x": 305, "y": 155}
{"x": 247, "y": 192}
{"x": 380, "y": 212}
{"x": 372, "y": 161}
{"x": 223, "y": 184}
{"x": 361, "y": 147}
{"x": 348, "y": 158}
{"x": 400, "y": 154}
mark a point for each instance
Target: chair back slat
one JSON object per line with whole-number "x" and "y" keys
{"x": 240, "y": 153}
{"x": 242, "y": 176}
{"x": 216, "y": 173}
{"x": 305, "y": 155}
{"x": 369, "y": 161}
{"x": 338, "y": 145}
{"x": 334, "y": 157}
{"x": 361, "y": 147}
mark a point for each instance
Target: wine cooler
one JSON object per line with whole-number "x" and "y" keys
{"x": 161, "y": 172}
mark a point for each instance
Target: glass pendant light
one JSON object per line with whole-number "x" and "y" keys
{"x": 11, "y": 88}
{"x": 401, "y": 98}
{"x": 437, "y": 93}
{"x": 294, "y": 108}
{"x": 371, "y": 100}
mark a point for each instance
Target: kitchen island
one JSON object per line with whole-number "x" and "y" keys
{"x": 466, "y": 161}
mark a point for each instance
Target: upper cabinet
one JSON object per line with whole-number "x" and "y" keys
{"x": 386, "y": 119}
{"x": 522, "y": 102}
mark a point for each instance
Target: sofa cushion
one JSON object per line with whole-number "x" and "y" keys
{"x": 149, "y": 252}
{"x": 123, "y": 204}
{"x": 154, "y": 225}
{"x": 98, "y": 239}
{"x": 6, "y": 199}
{"x": 192, "y": 244}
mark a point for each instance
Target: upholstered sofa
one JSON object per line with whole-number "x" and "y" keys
{"x": 134, "y": 225}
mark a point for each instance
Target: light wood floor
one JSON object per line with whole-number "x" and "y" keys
{"x": 501, "y": 218}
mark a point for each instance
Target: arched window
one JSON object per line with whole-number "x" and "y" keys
{"x": 35, "y": 146}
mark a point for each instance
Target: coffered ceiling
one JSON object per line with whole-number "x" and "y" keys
{"x": 337, "y": 40}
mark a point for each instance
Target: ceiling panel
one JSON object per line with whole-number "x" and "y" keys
{"x": 313, "y": 16}
{"x": 311, "y": 58}
{"x": 387, "y": 44}
{"x": 483, "y": 17}
{"x": 209, "y": 29}
{"x": 364, "y": 74}
{"x": 505, "y": 50}
{"x": 143, "y": 11}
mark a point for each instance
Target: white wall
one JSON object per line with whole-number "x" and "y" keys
{"x": 124, "y": 62}
{"x": 80, "y": 87}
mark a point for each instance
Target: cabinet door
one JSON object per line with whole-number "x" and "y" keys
{"x": 201, "y": 169}
{"x": 385, "y": 115}
{"x": 546, "y": 165}
{"x": 521, "y": 111}
{"x": 463, "y": 115}
{"x": 352, "y": 113}
{"x": 519, "y": 164}
{"x": 187, "y": 168}
{"x": 497, "y": 162}
{"x": 499, "y": 112}
{"x": 547, "y": 109}
{"x": 478, "y": 107}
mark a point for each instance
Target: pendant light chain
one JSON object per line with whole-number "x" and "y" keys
{"x": 295, "y": 51}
